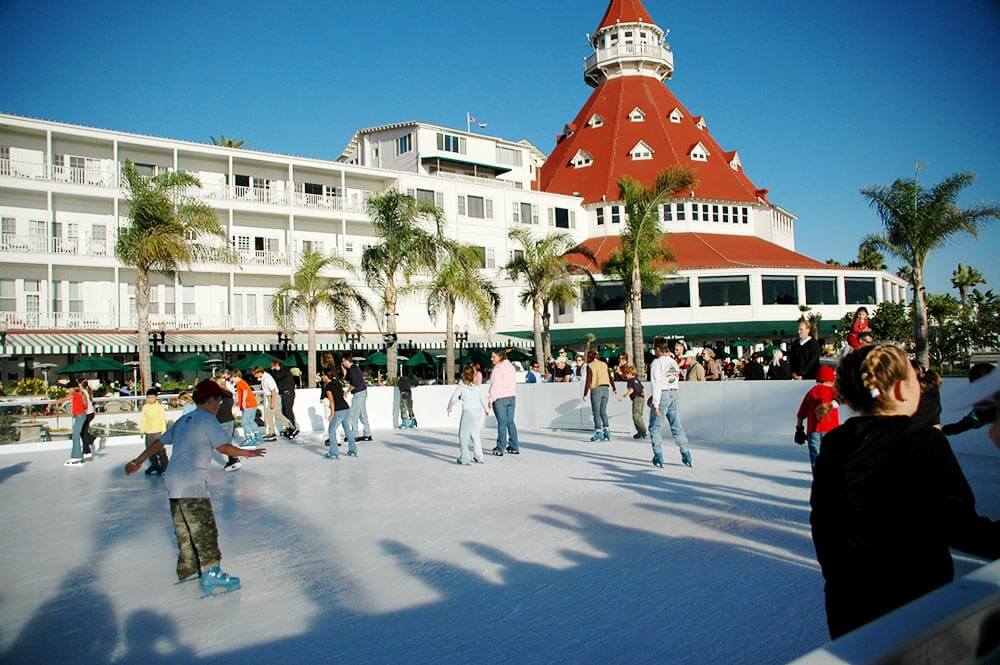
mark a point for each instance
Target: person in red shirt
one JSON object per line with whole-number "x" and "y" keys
{"x": 78, "y": 409}
{"x": 858, "y": 326}
{"x": 819, "y": 410}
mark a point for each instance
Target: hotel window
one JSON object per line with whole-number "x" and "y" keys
{"x": 8, "y": 226}
{"x": 637, "y": 115}
{"x": 8, "y": 301}
{"x": 673, "y": 293}
{"x": 606, "y": 297}
{"x": 169, "y": 300}
{"x": 595, "y": 121}
{"x": 668, "y": 212}
{"x": 188, "y": 292}
{"x": 475, "y": 206}
{"x": 54, "y": 291}
{"x": 349, "y": 246}
{"x": 491, "y": 257}
{"x": 724, "y": 291}
{"x": 725, "y": 214}
{"x": 32, "y": 296}
{"x": 404, "y": 144}
{"x": 525, "y": 213}
{"x": 616, "y": 214}
{"x": 821, "y": 291}
{"x": 4, "y": 160}
{"x": 704, "y": 212}
{"x": 508, "y": 156}
{"x": 745, "y": 218}
{"x": 154, "y": 299}
{"x": 517, "y": 255}
{"x": 681, "y": 215}
{"x": 781, "y": 290}
{"x": 600, "y": 216}
{"x": 562, "y": 218}
{"x": 699, "y": 153}
{"x": 715, "y": 213}
{"x": 694, "y": 212}
{"x": 641, "y": 151}
{"x": 312, "y": 188}
{"x": 676, "y": 116}
{"x": 480, "y": 253}
{"x": 581, "y": 159}
{"x": 859, "y": 290}
{"x": 451, "y": 143}
{"x": 75, "y": 298}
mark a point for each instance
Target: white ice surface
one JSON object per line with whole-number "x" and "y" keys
{"x": 572, "y": 552}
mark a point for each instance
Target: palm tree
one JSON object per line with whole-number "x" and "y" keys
{"x": 309, "y": 291}
{"x": 642, "y": 238}
{"x": 917, "y": 221}
{"x": 964, "y": 279}
{"x": 457, "y": 280}
{"x": 166, "y": 231}
{"x": 869, "y": 257}
{"x": 619, "y": 268}
{"x": 227, "y": 142}
{"x": 544, "y": 268}
{"x": 407, "y": 248}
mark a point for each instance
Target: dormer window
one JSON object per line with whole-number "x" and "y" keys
{"x": 698, "y": 152}
{"x": 641, "y": 151}
{"x": 637, "y": 115}
{"x": 595, "y": 121}
{"x": 734, "y": 160}
{"x": 700, "y": 122}
{"x": 581, "y": 159}
{"x": 676, "y": 116}
{"x": 569, "y": 129}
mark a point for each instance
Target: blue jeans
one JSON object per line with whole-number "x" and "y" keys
{"x": 340, "y": 418}
{"x": 669, "y": 406}
{"x": 247, "y": 420}
{"x": 78, "y": 421}
{"x": 813, "y": 440}
{"x": 360, "y": 412}
{"x": 599, "y": 406}
{"x": 503, "y": 409}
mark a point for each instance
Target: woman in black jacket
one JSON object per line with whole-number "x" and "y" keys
{"x": 888, "y": 497}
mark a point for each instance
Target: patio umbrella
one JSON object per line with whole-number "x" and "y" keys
{"x": 259, "y": 360}
{"x": 296, "y": 359}
{"x": 161, "y": 366}
{"x": 378, "y": 359}
{"x": 475, "y": 355}
{"x": 421, "y": 359}
{"x": 93, "y": 364}
{"x": 608, "y": 353}
{"x": 193, "y": 364}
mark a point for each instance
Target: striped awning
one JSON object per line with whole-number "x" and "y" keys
{"x": 111, "y": 343}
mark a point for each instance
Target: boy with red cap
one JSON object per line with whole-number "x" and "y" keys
{"x": 195, "y": 436}
{"x": 819, "y": 410}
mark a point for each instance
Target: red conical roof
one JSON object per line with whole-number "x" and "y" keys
{"x": 609, "y": 145}
{"x": 625, "y": 11}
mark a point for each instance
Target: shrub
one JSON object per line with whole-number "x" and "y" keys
{"x": 28, "y": 387}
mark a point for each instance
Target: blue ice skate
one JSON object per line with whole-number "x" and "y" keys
{"x": 598, "y": 436}
{"x": 658, "y": 460}
{"x": 214, "y": 580}
{"x": 686, "y": 458}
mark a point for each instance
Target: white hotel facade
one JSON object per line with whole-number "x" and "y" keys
{"x": 62, "y": 291}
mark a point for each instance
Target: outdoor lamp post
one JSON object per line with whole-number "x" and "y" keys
{"x": 156, "y": 339}
{"x": 283, "y": 341}
{"x": 352, "y": 339}
{"x": 461, "y": 337}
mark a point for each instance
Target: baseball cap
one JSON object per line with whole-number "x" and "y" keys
{"x": 978, "y": 391}
{"x": 208, "y": 389}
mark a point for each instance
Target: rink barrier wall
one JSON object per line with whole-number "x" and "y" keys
{"x": 958, "y": 623}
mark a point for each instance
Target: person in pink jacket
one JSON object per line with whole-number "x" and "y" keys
{"x": 501, "y": 400}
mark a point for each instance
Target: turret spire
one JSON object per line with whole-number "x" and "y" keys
{"x": 628, "y": 43}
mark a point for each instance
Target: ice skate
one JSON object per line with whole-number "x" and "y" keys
{"x": 686, "y": 458}
{"x": 513, "y": 451}
{"x": 214, "y": 580}
{"x": 598, "y": 436}
{"x": 658, "y": 460}
{"x": 352, "y": 453}
{"x": 235, "y": 465}
{"x": 463, "y": 462}
{"x": 75, "y": 461}
{"x": 331, "y": 456}
{"x": 498, "y": 452}
{"x": 607, "y": 434}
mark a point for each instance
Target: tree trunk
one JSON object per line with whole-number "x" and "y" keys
{"x": 921, "y": 334}
{"x": 449, "y": 342}
{"x": 391, "y": 363}
{"x": 546, "y": 335}
{"x": 142, "y": 311}
{"x": 637, "y": 341}
{"x": 536, "y": 325}
{"x": 629, "y": 346}
{"x": 311, "y": 345}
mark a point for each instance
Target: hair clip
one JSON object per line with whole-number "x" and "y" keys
{"x": 875, "y": 392}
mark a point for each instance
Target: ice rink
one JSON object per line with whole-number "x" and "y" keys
{"x": 572, "y": 552}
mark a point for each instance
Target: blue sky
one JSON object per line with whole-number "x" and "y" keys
{"x": 820, "y": 100}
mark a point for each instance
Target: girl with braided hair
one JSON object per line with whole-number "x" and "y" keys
{"x": 888, "y": 497}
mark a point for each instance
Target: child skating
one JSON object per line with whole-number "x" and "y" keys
{"x": 635, "y": 392}
{"x": 664, "y": 375}
{"x": 152, "y": 424}
{"x": 819, "y": 410}
{"x": 195, "y": 437}
{"x": 474, "y": 411}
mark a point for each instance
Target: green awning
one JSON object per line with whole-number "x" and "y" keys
{"x": 259, "y": 360}
{"x": 741, "y": 330}
{"x": 161, "y": 366}
{"x": 421, "y": 359}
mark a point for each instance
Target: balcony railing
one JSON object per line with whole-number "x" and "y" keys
{"x": 630, "y": 51}
{"x": 479, "y": 180}
{"x": 58, "y": 321}
{"x": 82, "y": 246}
{"x": 264, "y": 257}
{"x": 262, "y": 320}
{"x": 94, "y": 176}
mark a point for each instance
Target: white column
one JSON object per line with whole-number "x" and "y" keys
{"x": 229, "y": 232}
{"x": 176, "y": 168}
{"x": 800, "y": 286}
{"x": 695, "y": 296}
{"x": 879, "y": 293}
{"x": 841, "y": 290}
{"x": 48, "y": 151}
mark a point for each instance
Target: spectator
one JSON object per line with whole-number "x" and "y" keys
{"x": 888, "y": 498}
{"x": 562, "y": 373}
{"x": 803, "y": 354}
{"x": 754, "y": 369}
{"x": 858, "y": 326}
{"x": 779, "y": 370}
{"x": 620, "y": 367}
{"x": 696, "y": 370}
{"x": 579, "y": 369}
{"x": 713, "y": 372}
{"x": 534, "y": 374}
{"x": 929, "y": 410}
{"x": 683, "y": 361}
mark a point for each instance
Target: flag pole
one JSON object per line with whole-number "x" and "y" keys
{"x": 468, "y": 122}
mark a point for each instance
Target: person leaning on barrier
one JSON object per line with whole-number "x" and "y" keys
{"x": 888, "y": 497}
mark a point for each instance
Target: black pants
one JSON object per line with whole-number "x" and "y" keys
{"x": 85, "y": 435}
{"x": 287, "y": 402}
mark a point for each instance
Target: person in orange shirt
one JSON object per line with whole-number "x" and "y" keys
{"x": 819, "y": 410}
{"x": 246, "y": 402}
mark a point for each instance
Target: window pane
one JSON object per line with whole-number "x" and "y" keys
{"x": 425, "y": 196}
{"x": 562, "y": 218}
{"x": 859, "y": 290}
{"x": 673, "y": 293}
{"x": 476, "y": 208}
{"x": 605, "y": 297}
{"x": 724, "y": 291}
{"x": 781, "y": 291}
{"x": 821, "y": 291}
{"x": 526, "y": 216}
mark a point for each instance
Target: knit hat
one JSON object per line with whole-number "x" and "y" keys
{"x": 826, "y": 374}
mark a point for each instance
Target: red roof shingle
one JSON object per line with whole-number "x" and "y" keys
{"x": 624, "y": 11}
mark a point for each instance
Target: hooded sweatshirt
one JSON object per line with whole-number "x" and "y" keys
{"x": 888, "y": 500}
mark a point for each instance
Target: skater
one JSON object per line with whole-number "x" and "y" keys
{"x": 888, "y": 497}
{"x": 186, "y": 403}
{"x": 85, "y": 435}
{"x": 803, "y": 354}
{"x": 858, "y": 326}
{"x": 272, "y": 405}
{"x": 664, "y": 375}
{"x": 819, "y": 408}
{"x": 246, "y": 402}
{"x": 598, "y": 383}
{"x": 285, "y": 378}
{"x": 634, "y": 390}
{"x": 194, "y": 437}
{"x": 152, "y": 425}
{"x": 78, "y": 410}
{"x": 340, "y": 415}
{"x": 359, "y": 397}
{"x": 501, "y": 400}
{"x": 227, "y": 420}
{"x": 474, "y": 410}
{"x": 407, "y": 420}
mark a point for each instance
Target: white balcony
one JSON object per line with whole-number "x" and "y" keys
{"x": 185, "y": 321}
{"x": 93, "y": 176}
{"x": 17, "y": 244}
{"x": 651, "y": 59}
{"x": 58, "y": 321}
{"x": 264, "y": 257}
{"x": 80, "y": 246}
{"x": 479, "y": 180}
